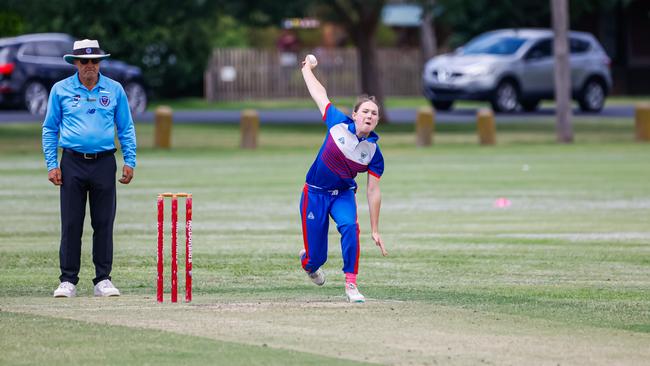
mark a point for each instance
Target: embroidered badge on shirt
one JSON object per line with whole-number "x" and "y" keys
{"x": 104, "y": 101}
{"x": 75, "y": 100}
{"x": 364, "y": 155}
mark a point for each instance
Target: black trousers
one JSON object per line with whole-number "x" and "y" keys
{"x": 92, "y": 178}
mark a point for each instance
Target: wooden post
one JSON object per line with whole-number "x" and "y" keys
{"x": 424, "y": 126}
{"x": 642, "y": 122}
{"x": 486, "y": 126}
{"x": 163, "y": 127}
{"x": 249, "y": 127}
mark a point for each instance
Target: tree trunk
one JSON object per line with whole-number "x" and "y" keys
{"x": 562, "y": 77}
{"x": 427, "y": 32}
{"x": 360, "y": 18}
{"x": 369, "y": 67}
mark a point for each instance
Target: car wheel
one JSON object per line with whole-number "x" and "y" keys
{"x": 506, "y": 97}
{"x": 530, "y": 105}
{"x": 35, "y": 97}
{"x": 442, "y": 105}
{"x": 592, "y": 97}
{"x": 137, "y": 97}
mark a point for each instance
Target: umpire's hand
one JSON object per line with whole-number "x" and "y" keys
{"x": 127, "y": 175}
{"x": 54, "y": 176}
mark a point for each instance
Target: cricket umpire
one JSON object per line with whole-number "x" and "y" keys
{"x": 83, "y": 113}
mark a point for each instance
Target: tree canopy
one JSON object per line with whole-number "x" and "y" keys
{"x": 171, "y": 40}
{"x": 467, "y": 18}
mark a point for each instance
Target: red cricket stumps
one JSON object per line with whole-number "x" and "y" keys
{"x": 161, "y": 205}
{"x": 188, "y": 248}
{"x": 174, "y": 246}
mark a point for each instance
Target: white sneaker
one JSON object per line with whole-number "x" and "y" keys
{"x": 105, "y": 288}
{"x": 353, "y": 294}
{"x": 65, "y": 289}
{"x": 317, "y": 277}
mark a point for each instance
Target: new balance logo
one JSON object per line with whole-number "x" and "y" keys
{"x": 311, "y": 215}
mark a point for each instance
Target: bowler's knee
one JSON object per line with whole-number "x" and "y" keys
{"x": 348, "y": 227}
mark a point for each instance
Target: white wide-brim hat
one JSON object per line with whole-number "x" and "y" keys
{"x": 86, "y": 48}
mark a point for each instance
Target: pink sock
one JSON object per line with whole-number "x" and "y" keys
{"x": 351, "y": 278}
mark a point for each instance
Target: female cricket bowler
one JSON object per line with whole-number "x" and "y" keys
{"x": 350, "y": 147}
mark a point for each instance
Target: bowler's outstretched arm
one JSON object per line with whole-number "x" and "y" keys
{"x": 316, "y": 89}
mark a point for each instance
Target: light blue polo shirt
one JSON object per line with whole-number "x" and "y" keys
{"x": 85, "y": 120}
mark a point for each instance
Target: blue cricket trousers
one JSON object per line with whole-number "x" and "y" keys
{"x": 316, "y": 207}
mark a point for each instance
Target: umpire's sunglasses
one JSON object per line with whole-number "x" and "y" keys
{"x": 84, "y": 61}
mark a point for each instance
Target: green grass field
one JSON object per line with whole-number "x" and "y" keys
{"x": 305, "y": 103}
{"x": 562, "y": 276}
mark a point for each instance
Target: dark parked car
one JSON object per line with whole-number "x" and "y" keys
{"x": 30, "y": 64}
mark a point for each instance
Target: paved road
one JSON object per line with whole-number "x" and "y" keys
{"x": 397, "y": 115}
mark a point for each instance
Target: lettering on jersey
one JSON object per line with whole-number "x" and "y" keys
{"x": 104, "y": 101}
{"x": 91, "y": 111}
{"x": 311, "y": 215}
{"x": 342, "y": 140}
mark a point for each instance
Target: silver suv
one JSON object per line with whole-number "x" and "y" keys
{"x": 513, "y": 68}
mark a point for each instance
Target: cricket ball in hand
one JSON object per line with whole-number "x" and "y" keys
{"x": 312, "y": 60}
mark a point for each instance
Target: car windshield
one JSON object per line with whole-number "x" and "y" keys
{"x": 493, "y": 45}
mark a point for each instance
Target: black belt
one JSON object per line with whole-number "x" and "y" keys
{"x": 91, "y": 156}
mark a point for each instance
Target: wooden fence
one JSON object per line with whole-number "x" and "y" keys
{"x": 236, "y": 73}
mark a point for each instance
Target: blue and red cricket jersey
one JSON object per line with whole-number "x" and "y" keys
{"x": 330, "y": 190}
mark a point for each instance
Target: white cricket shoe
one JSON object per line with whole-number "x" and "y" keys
{"x": 65, "y": 289}
{"x": 318, "y": 276}
{"x": 353, "y": 294}
{"x": 105, "y": 288}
